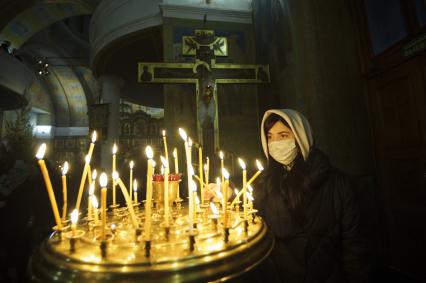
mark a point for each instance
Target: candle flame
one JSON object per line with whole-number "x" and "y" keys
{"x": 236, "y": 191}
{"x": 153, "y": 164}
{"x": 193, "y": 185}
{"x": 135, "y": 185}
{"x": 225, "y": 174}
{"x": 94, "y": 174}
{"x": 114, "y": 148}
{"x": 112, "y": 226}
{"x": 205, "y": 167}
{"x": 74, "y": 216}
{"x": 94, "y": 136}
{"x": 87, "y": 159}
{"x": 249, "y": 196}
{"x": 164, "y": 162}
{"x": 221, "y": 155}
{"x": 242, "y": 163}
{"x": 214, "y": 209}
{"x": 103, "y": 180}
{"x": 250, "y": 188}
{"x": 94, "y": 201}
{"x": 65, "y": 168}
{"x": 41, "y": 150}
{"x": 91, "y": 189}
{"x": 191, "y": 170}
{"x": 164, "y": 133}
{"x": 149, "y": 152}
{"x": 183, "y": 134}
{"x": 259, "y": 165}
{"x": 115, "y": 175}
{"x": 219, "y": 193}
{"x": 175, "y": 152}
{"x": 131, "y": 164}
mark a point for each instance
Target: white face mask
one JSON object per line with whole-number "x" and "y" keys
{"x": 283, "y": 151}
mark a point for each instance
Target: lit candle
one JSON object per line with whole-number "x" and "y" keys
{"x": 127, "y": 198}
{"x": 259, "y": 170}
{"x": 64, "y": 190}
{"x": 92, "y": 144}
{"x": 197, "y": 201}
{"x": 135, "y": 191}
{"x": 175, "y": 156}
{"x": 89, "y": 174}
{"x": 190, "y": 149}
{"x": 207, "y": 169}
{"x": 131, "y": 164}
{"x": 244, "y": 188}
{"x": 153, "y": 166}
{"x": 82, "y": 182}
{"x": 221, "y": 165}
{"x": 219, "y": 188}
{"x": 225, "y": 197}
{"x": 250, "y": 196}
{"x": 200, "y": 170}
{"x": 189, "y": 176}
{"x": 166, "y": 190}
{"x": 89, "y": 203}
{"x": 114, "y": 159}
{"x": 95, "y": 209}
{"x": 149, "y": 172}
{"x": 103, "y": 181}
{"x": 94, "y": 176}
{"x": 194, "y": 197}
{"x": 166, "y": 152}
{"x": 48, "y": 183}
{"x": 74, "y": 219}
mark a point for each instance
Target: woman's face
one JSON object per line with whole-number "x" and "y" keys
{"x": 279, "y": 131}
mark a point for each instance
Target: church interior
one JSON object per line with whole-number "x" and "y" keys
{"x": 136, "y": 71}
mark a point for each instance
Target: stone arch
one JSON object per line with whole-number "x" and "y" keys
{"x": 38, "y": 17}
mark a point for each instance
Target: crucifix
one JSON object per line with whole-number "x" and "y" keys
{"x": 206, "y": 74}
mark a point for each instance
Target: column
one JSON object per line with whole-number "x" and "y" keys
{"x": 110, "y": 86}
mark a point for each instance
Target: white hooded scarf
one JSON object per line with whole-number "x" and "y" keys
{"x": 299, "y": 126}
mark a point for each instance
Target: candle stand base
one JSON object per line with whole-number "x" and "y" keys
{"x": 190, "y": 255}
{"x": 138, "y": 233}
{"x": 147, "y": 248}
{"x": 191, "y": 242}
{"x": 226, "y": 235}
{"x": 167, "y": 233}
{"x": 103, "y": 248}
{"x": 72, "y": 245}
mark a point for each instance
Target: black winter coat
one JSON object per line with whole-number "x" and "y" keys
{"x": 329, "y": 246}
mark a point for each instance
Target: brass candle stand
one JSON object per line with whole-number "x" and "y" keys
{"x": 177, "y": 253}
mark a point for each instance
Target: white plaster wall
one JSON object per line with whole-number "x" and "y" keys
{"x": 113, "y": 19}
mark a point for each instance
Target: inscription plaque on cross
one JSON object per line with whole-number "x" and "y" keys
{"x": 206, "y": 74}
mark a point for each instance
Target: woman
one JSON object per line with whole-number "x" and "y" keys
{"x": 308, "y": 206}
